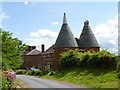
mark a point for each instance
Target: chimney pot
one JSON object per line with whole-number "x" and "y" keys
{"x": 43, "y": 47}
{"x": 33, "y": 47}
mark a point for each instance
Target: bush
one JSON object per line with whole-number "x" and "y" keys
{"x": 29, "y": 72}
{"x": 5, "y": 83}
{"x": 34, "y": 73}
{"x": 89, "y": 59}
{"x": 103, "y": 60}
{"x": 21, "y": 71}
{"x": 8, "y": 79}
{"x": 69, "y": 58}
{"x": 118, "y": 67}
{"x": 84, "y": 58}
{"x": 38, "y": 73}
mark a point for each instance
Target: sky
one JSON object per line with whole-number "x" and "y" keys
{"x": 37, "y": 23}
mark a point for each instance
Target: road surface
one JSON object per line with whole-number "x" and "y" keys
{"x": 35, "y": 82}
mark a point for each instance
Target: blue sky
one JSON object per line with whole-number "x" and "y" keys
{"x": 39, "y": 22}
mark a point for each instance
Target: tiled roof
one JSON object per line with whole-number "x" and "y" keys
{"x": 34, "y": 52}
{"x": 65, "y": 37}
{"x": 87, "y": 38}
{"x": 49, "y": 50}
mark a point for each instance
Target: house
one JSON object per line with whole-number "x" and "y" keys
{"x": 65, "y": 41}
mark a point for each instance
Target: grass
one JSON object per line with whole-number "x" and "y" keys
{"x": 21, "y": 84}
{"x": 91, "y": 78}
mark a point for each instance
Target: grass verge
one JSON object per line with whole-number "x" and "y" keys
{"x": 21, "y": 84}
{"x": 91, "y": 78}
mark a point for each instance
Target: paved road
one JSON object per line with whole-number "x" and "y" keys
{"x": 35, "y": 82}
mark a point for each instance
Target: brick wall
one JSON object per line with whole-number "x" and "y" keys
{"x": 57, "y": 52}
{"x": 32, "y": 60}
{"x": 93, "y": 48}
{"x": 39, "y": 61}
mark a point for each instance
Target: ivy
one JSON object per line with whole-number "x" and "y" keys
{"x": 90, "y": 59}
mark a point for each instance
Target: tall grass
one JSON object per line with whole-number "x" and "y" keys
{"x": 91, "y": 78}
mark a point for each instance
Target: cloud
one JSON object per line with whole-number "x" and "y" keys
{"x": 25, "y": 2}
{"x": 17, "y": 33}
{"x": 3, "y": 16}
{"x": 107, "y": 34}
{"x": 44, "y": 33}
{"x": 42, "y": 36}
{"x": 1, "y": 26}
{"x": 55, "y": 23}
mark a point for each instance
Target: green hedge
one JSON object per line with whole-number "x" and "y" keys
{"x": 34, "y": 73}
{"x": 89, "y": 59}
{"x": 21, "y": 71}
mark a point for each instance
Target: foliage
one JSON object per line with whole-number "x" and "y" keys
{"x": 87, "y": 77}
{"x": 21, "y": 71}
{"x": 34, "y": 73}
{"x": 69, "y": 58}
{"x": 5, "y": 83}
{"x": 30, "y": 72}
{"x": 12, "y": 48}
{"x": 8, "y": 80}
{"x": 118, "y": 70}
{"x": 89, "y": 59}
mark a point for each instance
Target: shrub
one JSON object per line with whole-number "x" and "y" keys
{"x": 5, "y": 82}
{"x": 21, "y": 71}
{"x": 84, "y": 58}
{"x": 9, "y": 79}
{"x": 38, "y": 73}
{"x": 89, "y": 59}
{"x": 103, "y": 60}
{"x": 29, "y": 72}
{"x": 69, "y": 58}
{"x": 118, "y": 67}
{"x": 34, "y": 73}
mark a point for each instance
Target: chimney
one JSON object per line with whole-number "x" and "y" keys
{"x": 33, "y": 47}
{"x": 43, "y": 48}
{"x": 29, "y": 48}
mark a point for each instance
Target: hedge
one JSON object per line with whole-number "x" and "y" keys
{"x": 90, "y": 59}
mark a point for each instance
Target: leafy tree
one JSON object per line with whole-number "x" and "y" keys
{"x": 12, "y": 49}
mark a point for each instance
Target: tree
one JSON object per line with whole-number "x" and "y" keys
{"x": 12, "y": 49}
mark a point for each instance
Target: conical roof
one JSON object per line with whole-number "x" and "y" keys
{"x": 87, "y": 38}
{"x": 65, "y": 37}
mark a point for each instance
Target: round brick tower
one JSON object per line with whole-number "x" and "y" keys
{"x": 65, "y": 41}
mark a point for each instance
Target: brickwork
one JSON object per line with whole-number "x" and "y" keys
{"x": 39, "y": 61}
{"x": 57, "y": 53}
{"x": 32, "y": 60}
{"x": 93, "y": 48}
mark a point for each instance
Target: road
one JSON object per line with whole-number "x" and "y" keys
{"x": 35, "y": 82}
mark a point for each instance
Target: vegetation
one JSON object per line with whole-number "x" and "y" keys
{"x": 30, "y": 72}
{"x": 91, "y": 78}
{"x": 5, "y": 82}
{"x": 12, "y": 48}
{"x": 99, "y": 60}
{"x": 90, "y": 69}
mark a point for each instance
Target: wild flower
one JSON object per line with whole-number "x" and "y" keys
{"x": 10, "y": 77}
{"x": 5, "y": 72}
